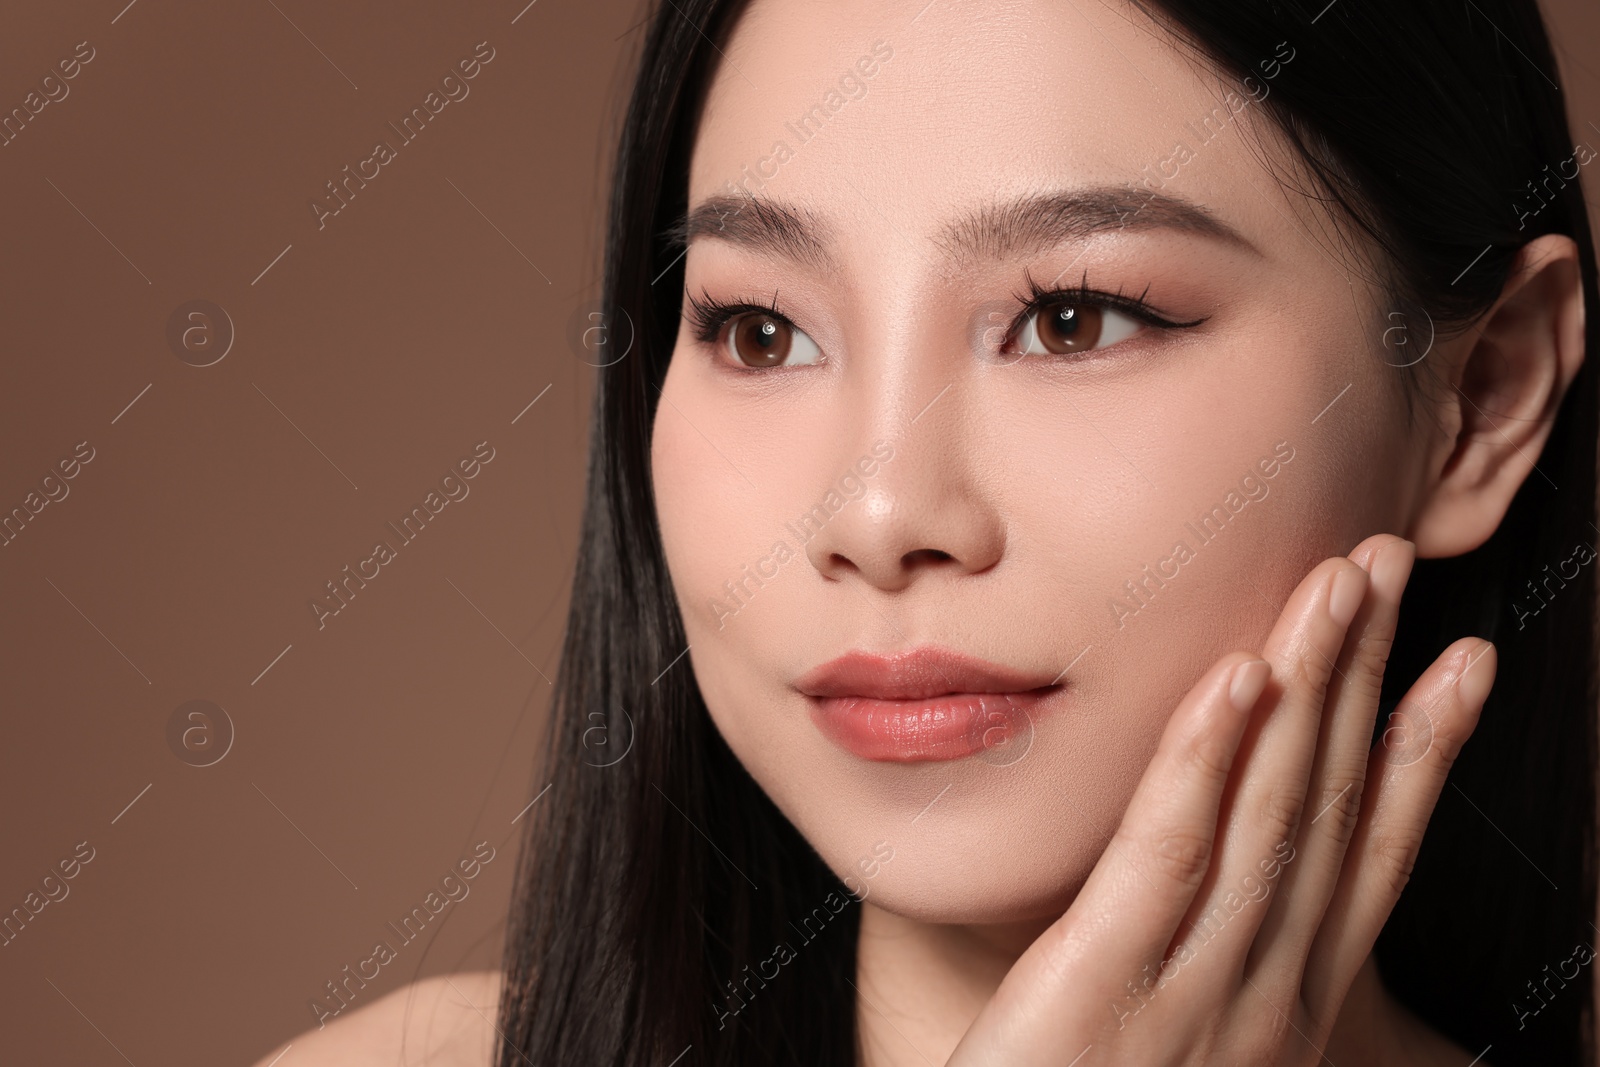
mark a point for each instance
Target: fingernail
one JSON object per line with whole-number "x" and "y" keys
{"x": 1249, "y": 679}
{"x": 1392, "y": 568}
{"x": 1349, "y": 586}
{"x": 1477, "y": 675}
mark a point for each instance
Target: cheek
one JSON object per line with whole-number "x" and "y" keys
{"x": 725, "y": 544}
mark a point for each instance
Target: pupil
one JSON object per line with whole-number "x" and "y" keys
{"x": 1067, "y": 320}
{"x": 767, "y": 332}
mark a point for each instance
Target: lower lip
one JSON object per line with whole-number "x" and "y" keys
{"x": 937, "y": 728}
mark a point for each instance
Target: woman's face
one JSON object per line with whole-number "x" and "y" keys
{"x": 909, "y": 461}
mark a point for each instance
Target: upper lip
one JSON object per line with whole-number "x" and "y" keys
{"x": 916, "y": 674}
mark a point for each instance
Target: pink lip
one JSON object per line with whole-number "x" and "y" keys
{"x": 920, "y": 705}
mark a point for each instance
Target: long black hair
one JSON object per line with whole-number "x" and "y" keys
{"x": 656, "y": 872}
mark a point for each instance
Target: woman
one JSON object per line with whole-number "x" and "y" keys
{"x": 997, "y": 524}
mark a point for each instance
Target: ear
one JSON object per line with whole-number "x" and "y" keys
{"x": 1506, "y": 382}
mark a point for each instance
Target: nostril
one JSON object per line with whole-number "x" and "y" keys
{"x": 925, "y": 555}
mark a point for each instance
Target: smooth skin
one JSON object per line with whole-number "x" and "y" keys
{"x": 1262, "y": 752}
{"x": 1019, "y": 907}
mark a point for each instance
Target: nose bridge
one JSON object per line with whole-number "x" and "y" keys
{"x": 909, "y": 495}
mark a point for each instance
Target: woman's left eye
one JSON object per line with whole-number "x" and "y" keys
{"x": 759, "y": 339}
{"x": 1063, "y": 327}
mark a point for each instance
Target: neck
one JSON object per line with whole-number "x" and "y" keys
{"x": 921, "y": 984}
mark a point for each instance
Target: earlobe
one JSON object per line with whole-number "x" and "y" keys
{"x": 1512, "y": 370}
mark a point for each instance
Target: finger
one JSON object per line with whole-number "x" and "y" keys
{"x": 1406, "y": 774}
{"x": 1338, "y": 772}
{"x": 1262, "y": 810}
{"x": 1129, "y": 907}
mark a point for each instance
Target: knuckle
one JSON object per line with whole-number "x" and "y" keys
{"x": 1309, "y": 669}
{"x": 1339, "y": 807}
{"x": 1372, "y": 651}
{"x": 1181, "y": 855}
{"x": 1280, "y": 812}
{"x": 1211, "y": 756}
{"x": 1392, "y": 855}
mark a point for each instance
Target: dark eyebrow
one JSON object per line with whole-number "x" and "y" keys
{"x": 1026, "y": 224}
{"x": 1041, "y": 221}
{"x": 762, "y": 225}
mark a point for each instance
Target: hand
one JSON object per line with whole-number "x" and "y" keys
{"x": 1261, "y": 853}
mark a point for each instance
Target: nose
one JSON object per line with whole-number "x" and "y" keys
{"x": 923, "y": 512}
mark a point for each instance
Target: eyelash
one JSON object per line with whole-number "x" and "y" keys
{"x": 707, "y": 315}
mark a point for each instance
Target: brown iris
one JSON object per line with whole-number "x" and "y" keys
{"x": 1064, "y": 328}
{"x": 760, "y": 340}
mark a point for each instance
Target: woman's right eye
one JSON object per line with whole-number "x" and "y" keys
{"x": 760, "y": 339}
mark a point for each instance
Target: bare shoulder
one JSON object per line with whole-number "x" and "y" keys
{"x": 444, "y": 1021}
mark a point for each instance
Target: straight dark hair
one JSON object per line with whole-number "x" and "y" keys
{"x": 651, "y": 883}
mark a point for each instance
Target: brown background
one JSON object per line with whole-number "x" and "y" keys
{"x": 371, "y": 754}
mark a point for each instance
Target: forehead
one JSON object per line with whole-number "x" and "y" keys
{"x": 899, "y": 118}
